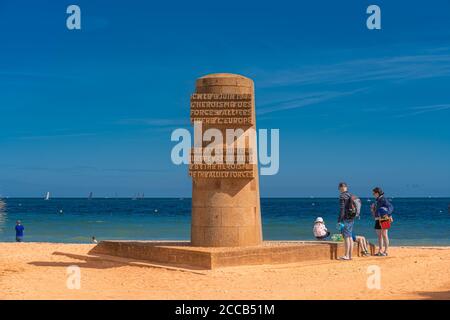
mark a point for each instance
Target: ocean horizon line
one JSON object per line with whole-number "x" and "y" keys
{"x": 185, "y": 198}
{"x": 78, "y": 219}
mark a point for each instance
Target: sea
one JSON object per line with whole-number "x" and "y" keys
{"x": 417, "y": 221}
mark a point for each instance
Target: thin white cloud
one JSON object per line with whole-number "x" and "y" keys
{"x": 414, "y": 111}
{"x": 399, "y": 68}
{"x": 305, "y": 100}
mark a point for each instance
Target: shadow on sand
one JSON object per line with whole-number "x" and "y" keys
{"x": 437, "y": 295}
{"x": 94, "y": 262}
{"x": 101, "y": 261}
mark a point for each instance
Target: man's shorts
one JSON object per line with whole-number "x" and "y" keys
{"x": 348, "y": 228}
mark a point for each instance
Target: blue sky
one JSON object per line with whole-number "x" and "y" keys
{"x": 93, "y": 110}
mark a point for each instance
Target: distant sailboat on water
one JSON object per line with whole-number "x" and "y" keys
{"x": 90, "y": 196}
{"x": 47, "y": 196}
{"x": 139, "y": 196}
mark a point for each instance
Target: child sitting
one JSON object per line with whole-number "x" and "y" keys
{"x": 320, "y": 231}
{"x": 362, "y": 244}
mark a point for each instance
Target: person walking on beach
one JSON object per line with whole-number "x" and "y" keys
{"x": 349, "y": 209}
{"x": 382, "y": 212}
{"x": 19, "y": 231}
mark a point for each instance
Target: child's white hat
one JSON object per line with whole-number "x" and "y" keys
{"x": 319, "y": 219}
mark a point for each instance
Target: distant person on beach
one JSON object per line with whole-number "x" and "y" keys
{"x": 382, "y": 212}
{"x": 350, "y": 207}
{"x": 362, "y": 244}
{"x": 93, "y": 240}
{"x": 320, "y": 231}
{"x": 19, "y": 231}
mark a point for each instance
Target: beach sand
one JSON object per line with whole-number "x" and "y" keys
{"x": 39, "y": 271}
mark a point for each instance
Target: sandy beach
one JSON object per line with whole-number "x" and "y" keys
{"x": 39, "y": 271}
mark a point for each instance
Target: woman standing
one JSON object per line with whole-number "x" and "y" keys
{"x": 382, "y": 212}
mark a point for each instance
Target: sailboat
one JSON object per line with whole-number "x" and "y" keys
{"x": 47, "y": 196}
{"x": 90, "y": 196}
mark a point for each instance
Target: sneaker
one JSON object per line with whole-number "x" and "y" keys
{"x": 344, "y": 258}
{"x": 365, "y": 253}
{"x": 379, "y": 254}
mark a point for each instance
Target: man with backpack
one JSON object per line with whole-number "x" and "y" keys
{"x": 350, "y": 207}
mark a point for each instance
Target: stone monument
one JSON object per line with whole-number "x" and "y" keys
{"x": 226, "y": 218}
{"x": 225, "y": 196}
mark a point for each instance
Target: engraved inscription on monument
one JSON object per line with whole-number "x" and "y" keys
{"x": 237, "y": 163}
{"x": 223, "y": 163}
{"x": 223, "y": 110}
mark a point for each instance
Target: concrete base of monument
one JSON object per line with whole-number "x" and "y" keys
{"x": 182, "y": 254}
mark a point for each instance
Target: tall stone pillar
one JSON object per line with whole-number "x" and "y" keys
{"x": 225, "y": 197}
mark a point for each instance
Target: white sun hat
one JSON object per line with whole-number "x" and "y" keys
{"x": 319, "y": 219}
